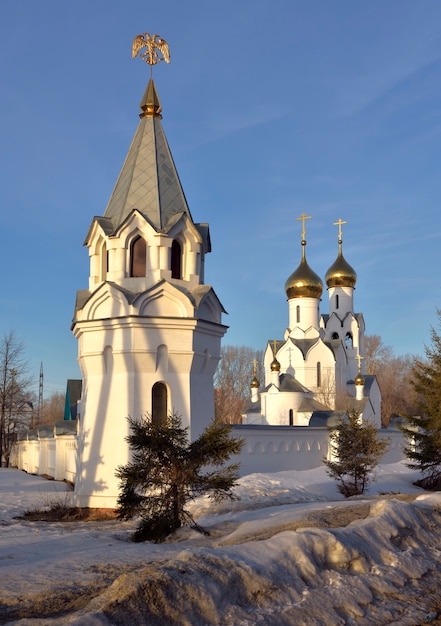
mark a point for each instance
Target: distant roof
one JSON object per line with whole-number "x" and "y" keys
{"x": 326, "y": 418}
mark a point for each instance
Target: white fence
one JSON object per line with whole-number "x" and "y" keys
{"x": 51, "y": 451}
{"x": 282, "y": 448}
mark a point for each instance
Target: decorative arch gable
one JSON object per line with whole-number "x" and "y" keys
{"x": 185, "y": 229}
{"x": 320, "y": 351}
{"x": 334, "y": 322}
{"x": 106, "y": 302}
{"x": 164, "y": 300}
{"x": 311, "y": 333}
{"x": 290, "y": 354}
{"x": 100, "y": 227}
{"x": 135, "y": 221}
{"x": 209, "y": 308}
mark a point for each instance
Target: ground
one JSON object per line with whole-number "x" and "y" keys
{"x": 290, "y": 552}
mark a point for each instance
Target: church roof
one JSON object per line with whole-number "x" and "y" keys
{"x": 148, "y": 180}
{"x": 289, "y": 383}
{"x": 305, "y": 345}
{"x": 310, "y": 404}
{"x": 326, "y": 316}
{"x": 326, "y": 418}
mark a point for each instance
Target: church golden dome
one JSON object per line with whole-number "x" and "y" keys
{"x": 255, "y": 383}
{"x": 340, "y": 274}
{"x": 359, "y": 380}
{"x": 275, "y": 365}
{"x": 303, "y": 282}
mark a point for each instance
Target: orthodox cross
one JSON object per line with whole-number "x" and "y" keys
{"x": 303, "y": 218}
{"x": 275, "y": 347}
{"x": 359, "y": 358}
{"x": 255, "y": 366}
{"x": 339, "y": 223}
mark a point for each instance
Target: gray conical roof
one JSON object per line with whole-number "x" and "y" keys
{"x": 148, "y": 180}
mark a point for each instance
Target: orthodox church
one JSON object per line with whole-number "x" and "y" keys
{"x": 315, "y": 372}
{"x": 148, "y": 327}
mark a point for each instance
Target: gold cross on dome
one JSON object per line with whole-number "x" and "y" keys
{"x": 303, "y": 218}
{"x": 275, "y": 347}
{"x": 255, "y": 366}
{"x": 339, "y": 223}
{"x": 359, "y": 358}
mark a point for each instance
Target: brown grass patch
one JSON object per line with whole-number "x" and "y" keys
{"x": 69, "y": 514}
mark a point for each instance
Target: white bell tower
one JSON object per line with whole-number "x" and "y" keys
{"x": 148, "y": 327}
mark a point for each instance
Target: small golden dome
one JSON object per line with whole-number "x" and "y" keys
{"x": 359, "y": 380}
{"x": 303, "y": 282}
{"x": 255, "y": 383}
{"x": 340, "y": 274}
{"x": 275, "y": 365}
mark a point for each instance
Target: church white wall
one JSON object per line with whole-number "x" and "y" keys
{"x": 375, "y": 400}
{"x": 276, "y": 407}
{"x": 344, "y": 296}
{"x": 307, "y": 310}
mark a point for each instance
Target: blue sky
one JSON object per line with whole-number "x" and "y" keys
{"x": 332, "y": 108}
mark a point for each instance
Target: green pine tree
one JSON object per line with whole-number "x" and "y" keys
{"x": 357, "y": 449}
{"x": 167, "y": 471}
{"x": 423, "y": 433}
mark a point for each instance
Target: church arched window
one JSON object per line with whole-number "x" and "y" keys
{"x": 348, "y": 340}
{"x": 319, "y": 374}
{"x": 104, "y": 260}
{"x": 176, "y": 259}
{"x": 335, "y": 336}
{"x": 138, "y": 257}
{"x": 159, "y": 403}
{"x": 337, "y": 303}
{"x": 291, "y": 417}
{"x": 298, "y": 314}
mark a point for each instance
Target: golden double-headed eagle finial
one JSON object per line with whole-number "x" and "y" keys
{"x": 156, "y": 49}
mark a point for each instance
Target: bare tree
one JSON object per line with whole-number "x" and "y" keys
{"x": 398, "y": 395}
{"x": 15, "y": 397}
{"x": 53, "y": 408}
{"x": 394, "y": 377}
{"x": 376, "y": 353}
{"x": 232, "y": 381}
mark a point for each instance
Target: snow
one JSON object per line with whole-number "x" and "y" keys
{"x": 290, "y": 551}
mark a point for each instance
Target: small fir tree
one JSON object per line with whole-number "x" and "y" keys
{"x": 167, "y": 471}
{"x": 357, "y": 449}
{"x": 423, "y": 433}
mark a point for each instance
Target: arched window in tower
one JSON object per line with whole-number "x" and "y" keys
{"x": 348, "y": 340}
{"x": 337, "y": 303}
{"x": 319, "y": 374}
{"x": 104, "y": 254}
{"x": 138, "y": 257}
{"x": 298, "y": 314}
{"x": 335, "y": 336}
{"x": 159, "y": 403}
{"x": 176, "y": 260}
